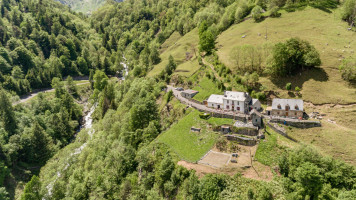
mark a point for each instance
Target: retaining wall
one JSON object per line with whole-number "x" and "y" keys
{"x": 245, "y": 131}
{"x": 242, "y": 140}
{"x": 297, "y": 123}
{"x": 280, "y": 132}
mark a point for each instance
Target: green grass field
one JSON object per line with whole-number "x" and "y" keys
{"x": 271, "y": 147}
{"x": 324, "y": 30}
{"x": 337, "y": 137}
{"x": 220, "y": 121}
{"x": 206, "y": 87}
{"x": 184, "y": 50}
{"x": 190, "y": 146}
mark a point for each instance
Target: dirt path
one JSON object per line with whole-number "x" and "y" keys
{"x": 212, "y": 68}
{"x": 28, "y": 97}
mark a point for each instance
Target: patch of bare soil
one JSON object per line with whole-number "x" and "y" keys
{"x": 201, "y": 170}
{"x": 215, "y": 159}
{"x": 209, "y": 164}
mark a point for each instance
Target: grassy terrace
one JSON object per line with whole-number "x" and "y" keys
{"x": 271, "y": 147}
{"x": 183, "y": 49}
{"x": 220, "y": 121}
{"x": 206, "y": 87}
{"x": 324, "y": 30}
{"x": 190, "y": 146}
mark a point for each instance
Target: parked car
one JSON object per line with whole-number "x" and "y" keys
{"x": 234, "y": 155}
{"x": 234, "y": 161}
{"x": 179, "y": 89}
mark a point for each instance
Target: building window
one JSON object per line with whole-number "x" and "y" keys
{"x": 227, "y": 101}
{"x": 238, "y": 103}
{"x": 287, "y": 107}
{"x": 277, "y": 113}
{"x": 279, "y": 106}
{"x": 296, "y": 107}
{"x": 227, "y": 107}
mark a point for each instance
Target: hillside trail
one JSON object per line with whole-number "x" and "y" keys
{"x": 212, "y": 68}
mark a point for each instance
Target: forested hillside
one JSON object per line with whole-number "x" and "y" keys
{"x": 122, "y": 155}
{"x": 85, "y": 6}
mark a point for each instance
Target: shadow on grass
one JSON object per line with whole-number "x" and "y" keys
{"x": 317, "y": 74}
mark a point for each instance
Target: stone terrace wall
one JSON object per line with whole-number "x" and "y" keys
{"x": 297, "y": 123}
{"x": 242, "y": 140}
{"x": 245, "y": 131}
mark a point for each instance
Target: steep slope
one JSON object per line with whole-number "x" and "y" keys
{"x": 121, "y": 158}
{"x": 84, "y": 6}
{"x": 324, "y": 30}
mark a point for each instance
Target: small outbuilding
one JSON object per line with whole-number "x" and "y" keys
{"x": 256, "y": 118}
{"x": 189, "y": 93}
{"x": 255, "y": 104}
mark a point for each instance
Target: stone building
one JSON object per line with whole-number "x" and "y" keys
{"x": 292, "y": 108}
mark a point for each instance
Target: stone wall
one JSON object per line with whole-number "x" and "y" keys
{"x": 245, "y": 131}
{"x": 297, "y": 123}
{"x": 291, "y": 113}
{"x": 280, "y": 131}
{"x": 242, "y": 140}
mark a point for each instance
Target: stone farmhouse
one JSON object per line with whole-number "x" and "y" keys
{"x": 234, "y": 101}
{"x": 286, "y": 108}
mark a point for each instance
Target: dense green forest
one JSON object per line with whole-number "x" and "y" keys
{"x": 42, "y": 42}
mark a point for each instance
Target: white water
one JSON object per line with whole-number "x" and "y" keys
{"x": 125, "y": 72}
{"x": 87, "y": 125}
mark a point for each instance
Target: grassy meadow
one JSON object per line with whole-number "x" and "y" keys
{"x": 324, "y": 30}
{"x": 206, "y": 87}
{"x": 271, "y": 147}
{"x": 184, "y": 50}
{"x": 190, "y": 146}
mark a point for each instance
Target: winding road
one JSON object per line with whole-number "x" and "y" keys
{"x": 201, "y": 107}
{"x": 29, "y": 96}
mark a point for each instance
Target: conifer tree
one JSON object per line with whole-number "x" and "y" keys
{"x": 7, "y": 115}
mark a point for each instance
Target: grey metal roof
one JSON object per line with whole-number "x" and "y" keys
{"x": 292, "y": 103}
{"x": 218, "y": 99}
{"x": 236, "y": 96}
{"x": 254, "y": 101}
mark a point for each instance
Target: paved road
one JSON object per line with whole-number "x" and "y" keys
{"x": 201, "y": 107}
{"x": 33, "y": 94}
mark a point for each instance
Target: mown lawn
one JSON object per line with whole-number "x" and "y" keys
{"x": 184, "y": 50}
{"x": 206, "y": 87}
{"x": 190, "y": 146}
{"x": 326, "y": 31}
{"x": 220, "y": 121}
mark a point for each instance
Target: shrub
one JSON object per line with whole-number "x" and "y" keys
{"x": 274, "y": 12}
{"x": 348, "y": 70}
{"x": 288, "y": 86}
{"x": 257, "y": 13}
{"x": 297, "y": 89}
{"x": 204, "y": 115}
